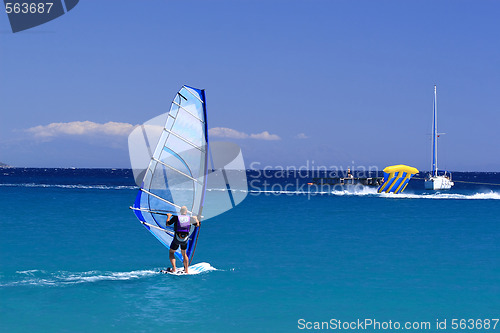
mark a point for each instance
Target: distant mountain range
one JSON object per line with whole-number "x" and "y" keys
{"x": 3, "y": 165}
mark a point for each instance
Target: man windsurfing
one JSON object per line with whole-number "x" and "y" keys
{"x": 182, "y": 226}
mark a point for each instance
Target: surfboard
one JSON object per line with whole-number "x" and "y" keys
{"x": 193, "y": 269}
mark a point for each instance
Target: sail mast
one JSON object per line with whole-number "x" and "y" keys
{"x": 196, "y": 232}
{"x": 434, "y": 136}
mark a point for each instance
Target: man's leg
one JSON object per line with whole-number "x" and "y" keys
{"x": 185, "y": 261}
{"x": 171, "y": 256}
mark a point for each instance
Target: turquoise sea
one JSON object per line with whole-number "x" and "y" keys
{"x": 73, "y": 257}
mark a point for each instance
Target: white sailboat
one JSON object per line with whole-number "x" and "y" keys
{"x": 437, "y": 180}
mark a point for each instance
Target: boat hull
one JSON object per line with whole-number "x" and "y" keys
{"x": 438, "y": 183}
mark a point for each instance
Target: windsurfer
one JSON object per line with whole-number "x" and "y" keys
{"x": 182, "y": 226}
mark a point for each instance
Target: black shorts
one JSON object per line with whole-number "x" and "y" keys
{"x": 175, "y": 244}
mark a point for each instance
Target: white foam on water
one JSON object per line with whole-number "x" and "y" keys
{"x": 95, "y": 276}
{"x": 371, "y": 191}
{"x": 354, "y": 191}
{"x": 41, "y": 278}
{"x": 357, "y": 191}
{"x": 362, "y": 191}
{"x": 29, "y": 272}
{"x": 285, "y": 192}
{"x": 83, "y": 187}
{"x": 34, "y": 277}
{"x": 438, "y": 195}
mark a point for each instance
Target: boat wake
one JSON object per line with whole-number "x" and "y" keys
{"x": 365, "y": 191}
{"x": 368, "y": 191}
{"x": 476, "y": 196}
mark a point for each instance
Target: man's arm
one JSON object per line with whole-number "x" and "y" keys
{"x": 197, "y": 223}
{"x": 168, "y": 218}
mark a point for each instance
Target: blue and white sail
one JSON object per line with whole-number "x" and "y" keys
{"x": 176, "y": 174}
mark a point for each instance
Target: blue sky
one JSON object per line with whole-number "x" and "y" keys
{"x": 334, "y": 82}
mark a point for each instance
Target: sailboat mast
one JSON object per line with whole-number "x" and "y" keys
{"x": 434, "y": 136}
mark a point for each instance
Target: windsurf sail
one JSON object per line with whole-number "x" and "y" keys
{"x": 177, "y": 171}
{"x": 396, "y": 178}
